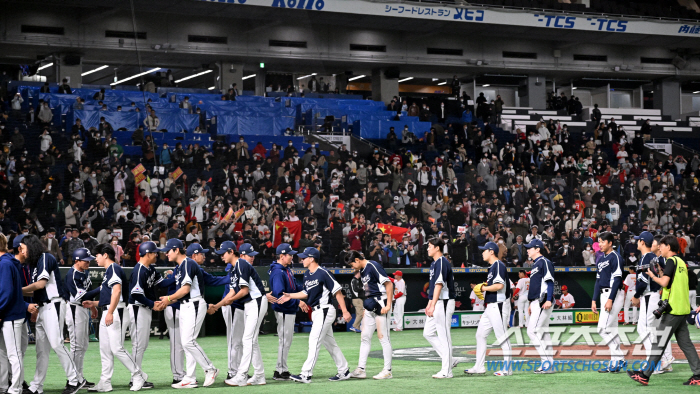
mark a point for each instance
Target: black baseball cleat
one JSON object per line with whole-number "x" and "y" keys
{"x": 640, "y": 378}
{"x": 693, "y": 381}
{"x": 70, "y": 389}
{"x": 29, "y": 391}
{"x": 175, "y": 381}
{"x": 619, "y": 366}
{"x": 25, "y": 386}
{"x": 281, "y": 376}
{"x": 147, "y": 385}
{"x": 287, "y": 376}
{"x": 87, "y": 385}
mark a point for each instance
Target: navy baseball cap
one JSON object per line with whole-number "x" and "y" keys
{"x": 147, "y": 247}
{"x": 489, "y": 246}
{"x": 16, "y": 241}
{"x": 647, "y": 237}
{"x": 83, "y": 254}
{"x": 310, "y": 252}
{"x": 246, "y": 249}
{"x": 285, "y": 249}
{"x": 173, "y": 243}
{"x": 226, "y": 246}
{"x": 195, "y": 248}
{"x": 535, "y": 243}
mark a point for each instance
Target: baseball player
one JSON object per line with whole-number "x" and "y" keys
{"x": 113, "y": 305}
{"x": 380, "y": 292}
{"x": 247, "y": 287}
{"x": 541, "y": 297}
{"x": 496, "y": 294}
{"x": 48, "y": 290}
{"x": 319, "y": 287}
{"x": 566, "y": 301}
{"x": 13, "y": 309}
{"x": 647, "y": 297}
{"x": 441, "y": 293}
{"x": 192, "y": 313}
{"x": 629, "y": 283}
{"x": 608, "y": 286}
{"x": 477, "y": 303}
{"x": 399, "y": 299}
{"x": 142, "y": 297}
{"x": 282, "y": 281}
{"x": 520, "y": 297}
{"x": 172, "y": 320}
{"x": 78, "y": 284}
{"x": 20, "y": 251}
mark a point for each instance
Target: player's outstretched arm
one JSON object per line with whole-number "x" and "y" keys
{"x": 291, "y": 296}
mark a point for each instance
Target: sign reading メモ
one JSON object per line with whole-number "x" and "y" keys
{"x": 482, "y": 15}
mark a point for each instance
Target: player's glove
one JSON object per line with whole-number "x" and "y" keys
{"x": 515, "y": 297}
{"x": 478, "y": 292}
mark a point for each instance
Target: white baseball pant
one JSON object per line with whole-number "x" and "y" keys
{"x": 398, "y": 311}
{"x": 177, "y": 353}
{"x": 538, "y": 331}
{"x": 648, "y": 324}
{"x": 371, "y": 322}
{"x": 523, "y": 311}
{"x": 437, "y": 332}
{"x": 112, "y": 345}
{"x": 192, "y": 315}
{"x": 140, "y": 330}
{"x": 235, "y": 324}
{"x": 630, "y": 316}
{"x": 25, "y": 339}
{"x": 11, "y": 356}
{"x": 322, "y": 333}
{"x": 495, "y": 318}
{"x": 607, "y": 324}
{"x": 49, "y": 335}
{"x": 285, "y": 333}
{"x": 254, "y": 314}
{"x": 693, "y": 299}
{"x": 78, "y": 322}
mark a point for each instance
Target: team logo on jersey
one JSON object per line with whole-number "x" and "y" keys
{"x": 488, "y": 278}
{"x": 534, "y": 271}
{"x": 310, "y": 284}
{"x": 602, "y": 265}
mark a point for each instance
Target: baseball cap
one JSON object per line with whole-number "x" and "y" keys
{"x": 83, "y": 254}
{"x": 195, "y": 248}
{"x": 378, "y": 206}
{"x": 226, "y": 246}
{"x": 535, "y": 243}
{"x": 398, "y": 273}
{"x": 564, "y": 288}
{"x": 17, "y": 240}
{"x": 247, "y": 250}
{"x": 489, "y": 246}
{"x": 310, "y": 252}
{"x": 285, "y": 249}
{"x": 146, "y": 247}
{"x": 173, "y": 243}
{"x": 645, "y": 236}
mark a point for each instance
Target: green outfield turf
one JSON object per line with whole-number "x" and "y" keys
{"x": 409, "y": 376}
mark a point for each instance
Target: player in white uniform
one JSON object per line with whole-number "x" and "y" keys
{"x": 566, "y": 301}
{"x": 192, "y": 312}
{"x": 477, "y": 303}
{"x": 495, "y": 318}
{"x": 399, "y": 299}
{"x": 630, "y": 284}
{"x": 78, "y": 318}
{"x": 541, "y": 297}
{"x": 111, "y": 334}
{"x": 48, "y": 291}
{"x": 522, "y": 303}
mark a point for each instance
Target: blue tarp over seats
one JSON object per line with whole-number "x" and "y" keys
{"x": 175, "y": 120}
{"x": 379, "y": 129}
{"x": 246, "y": 125}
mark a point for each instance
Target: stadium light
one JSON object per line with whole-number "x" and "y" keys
{"x": 306, "y": 76}
{"x": 194, "y": 76}
{"x": 94, "y": 71}
{"x": 696, "y": 92}
{"x": 486, "y": 85}
{"x": 44, "y": 66}
{"x": 135, "y": 76}
{"x": 442, "y": 83}
{"x": 357, "y": 77}
{"x": 405, "y": 79}
{"x": 211, "y": 88}
{"x": 247, "y": 77}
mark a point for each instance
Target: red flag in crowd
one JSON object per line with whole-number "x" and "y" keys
{"x": 294, "y": 229}
{"x": 394, "y": 231}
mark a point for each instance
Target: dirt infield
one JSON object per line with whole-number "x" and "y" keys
{"x": 583, "y": 352}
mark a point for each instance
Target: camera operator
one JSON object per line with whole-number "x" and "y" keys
{"x": 674, "y": 309}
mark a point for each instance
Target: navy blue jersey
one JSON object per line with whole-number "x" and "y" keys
{"x": 609, "y": 275}
{"x": 541, "y": 273}
{"x": 227, "y": 288}
{"x": 244, "y": 275}
{"x": 644, "y": 284}
{"x": 189, "y": 273}
{"x": 498, "y": 274}
{"x": 373, "y": 279}
{"x": 142, "y": 286}
{"x": 441, "y": 273}
{"x": 170, "y": 284}
{"x": 77, "y": 283}
{"x": 320, "y": 286}
{"x": 47, "y": 269}
{"x": 114, "y": 275}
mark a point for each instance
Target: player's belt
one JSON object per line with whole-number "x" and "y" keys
{"x": 120, "y": 305}
{"x": 317, "y": 307}
{"x": 605, "y": 290}
{"x": 190, "y": 300}
{"x": 51, "y": 301}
